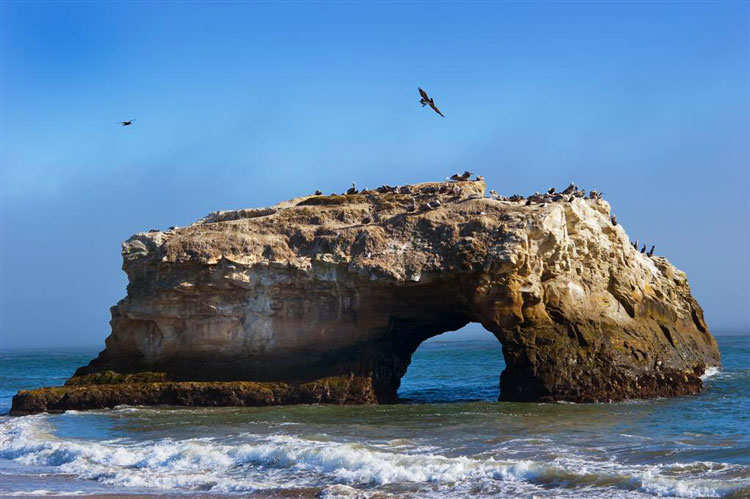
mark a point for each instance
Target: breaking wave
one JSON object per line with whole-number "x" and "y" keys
{"x": 248, "y": 462}
{"x": 710, "y": 373}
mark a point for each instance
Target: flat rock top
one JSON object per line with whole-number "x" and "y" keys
{"x": 398, "y": 234}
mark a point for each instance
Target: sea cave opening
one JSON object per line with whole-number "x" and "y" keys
{"x": 455, "y": 366}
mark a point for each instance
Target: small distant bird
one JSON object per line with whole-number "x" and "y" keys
{"x": 550, "y": 190}
{"x": 127, "y": 123}
{"x": 643, "y": 250}
{"x": 570, "y": 189}
{"x": 318, "y": 192}
{"x": 613, "y": 218}
{"x": 426, "y": 100}
{"x": 352, "y": 189}
{"x": 651, "y": 251}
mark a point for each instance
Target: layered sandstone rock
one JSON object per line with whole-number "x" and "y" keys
{"x": 347, "y": 287}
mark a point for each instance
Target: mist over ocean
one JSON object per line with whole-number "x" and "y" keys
{"x": 448, "y": 438}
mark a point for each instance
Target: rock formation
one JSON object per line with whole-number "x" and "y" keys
{"x": 325, "y": 298}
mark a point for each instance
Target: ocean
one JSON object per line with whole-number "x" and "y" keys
{"x": 449, "y": 438}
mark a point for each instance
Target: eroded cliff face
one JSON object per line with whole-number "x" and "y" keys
{"x": 349, "y": 286}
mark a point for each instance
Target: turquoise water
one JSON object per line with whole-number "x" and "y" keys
{"x": 448, "y": 439}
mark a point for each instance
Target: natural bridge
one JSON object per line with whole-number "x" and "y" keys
{"x": 325, "y": 299}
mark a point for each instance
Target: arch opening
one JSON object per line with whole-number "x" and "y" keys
{"x": 455, "y": 366}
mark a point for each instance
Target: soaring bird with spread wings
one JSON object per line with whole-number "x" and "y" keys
{"x": 127, "y": 123}
{"x": 426, "y": 100}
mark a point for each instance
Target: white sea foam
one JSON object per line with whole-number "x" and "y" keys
{"x": 44, "y": 492}
{"x": 710, "y": 373}
{"x": 250, "y": 462}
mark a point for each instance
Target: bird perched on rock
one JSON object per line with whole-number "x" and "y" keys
{"x": 427, "y": 100}
{"x": 643, "y": 250}
{"x": 635, "y": 244}
{"x": 570, "y": 189}
{"x": 434, "y": 203}
{"x": 352, "y": 189}
{"x": 550, "y": 190}
{"x": 613, "y": 218}
{"x": 318, "y": 192}
{"x": 405, "y": 190}
{"x": 651, "y": 251}
{"x": 462, "y": 177}
{"x": 127, "y": 123}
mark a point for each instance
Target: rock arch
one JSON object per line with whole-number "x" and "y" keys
{"x": 345, "y": 288}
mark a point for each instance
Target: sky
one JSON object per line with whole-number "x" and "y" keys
{"x": 241, "y": 104}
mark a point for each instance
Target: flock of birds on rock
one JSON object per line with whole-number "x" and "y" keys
{"x": 452, "y": 188}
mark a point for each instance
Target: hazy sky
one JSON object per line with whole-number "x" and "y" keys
{"x": 242, "y": 105}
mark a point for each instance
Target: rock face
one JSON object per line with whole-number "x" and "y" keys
{"x": 347, "y": 287}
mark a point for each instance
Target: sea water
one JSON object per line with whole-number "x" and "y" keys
{"x": 449, "y": 438}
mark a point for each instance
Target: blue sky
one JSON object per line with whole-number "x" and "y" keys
{"x": 242, "y": 104}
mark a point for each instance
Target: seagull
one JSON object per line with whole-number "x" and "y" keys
{"x": 127, "y": 123}
{"x": 426, "y": 100}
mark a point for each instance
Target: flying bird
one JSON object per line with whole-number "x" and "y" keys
{"x": 127, "y": 123}
{"x": 426, "y": 100}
